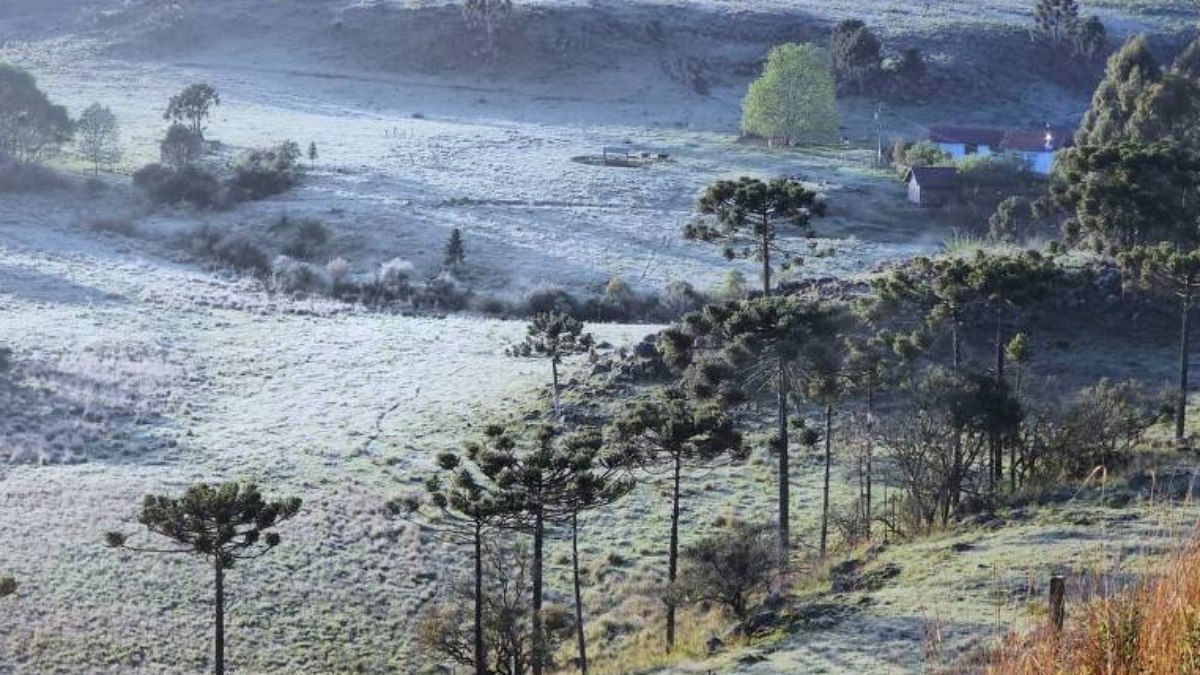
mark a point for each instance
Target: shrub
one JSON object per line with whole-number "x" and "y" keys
{"x": 294, "y": 276}
{"x": 262, "y": 173}
{"x": 242, "y": 255}
{"x": 443, "y": 293}
{"x": 547, "y": 300}
{"x": 922, "y": 153}
{"x": 338, "y": 270}
{"x": 308, "y": 238}
{"x": 121, "y": 226}
{"x": 31, "y": 127}
{"x": 27, "y": 177}
{"x": 164, "y": 185}
{"x": 730, "y": 567}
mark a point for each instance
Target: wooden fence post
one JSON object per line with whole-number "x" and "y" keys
{"x": 1058, "y": 597}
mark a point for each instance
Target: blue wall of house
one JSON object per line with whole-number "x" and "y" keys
{"x": 959, "y": 150}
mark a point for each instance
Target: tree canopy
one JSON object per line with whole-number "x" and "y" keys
{"x": 794, "y": 99}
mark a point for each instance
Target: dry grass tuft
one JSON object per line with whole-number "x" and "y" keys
{"x": 1151, "y": 628}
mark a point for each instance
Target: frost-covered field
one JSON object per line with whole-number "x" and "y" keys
{"x": 135, "y": 372}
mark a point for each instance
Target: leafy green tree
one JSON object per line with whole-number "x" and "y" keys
{"x": 98, "y": 137}
{"x": 794, "y": 99}
{"x": 225, "y": 523}
{"x": 554, "y": 336}
{"x": 193, "y": 106}
{"x": 1174, "y": 270}
{"x": 461, "y": 506}
{"x": 1130, "y": 71}
{"x": 670, "y": 428}
{"x": 31, "y": 127}
{"x": 456, "y": 250}
{"x": 855, "y": 53}
{"x": 1055, "y": 18}
{"x": 925, "y": 153}
{"x": 748, "y": 215}
{"x": 1128, "y": 194}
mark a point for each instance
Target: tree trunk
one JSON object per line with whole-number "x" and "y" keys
{"x": 1184, "y": 348}
{"x": 828, "y": 462}
{"x": 673, "y": 554}
{"x": 579, "y": 633}
{"x": 219, "y": 597}
{"x": 870, "y": 451}
{"x": 554, "y": 383}
{"x": 784, "y": 472}
{"x": 765, "y": 250}
{"x": 480, "y": 650}
{"x": 997, "y": 437}
{"x": 539, "y": 639}
{"x": 956, "y": 351}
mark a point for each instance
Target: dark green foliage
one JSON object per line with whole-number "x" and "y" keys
{"x": 262, "y": 173}
{"x": 553, "y": 336}
{"x": 181, "y": 147}
{"x": 855, "y": 54}
{"x": 164, "y": 185}
{"x": 731, "y": 567}
{"x": 1012, "y": 220}
{"x": 748, "y": 215}
{"x": 193, "y": 105}
{"x": 1089, "y": 37}
{"x": 225, "y": 523}
{"x": 908, "y": 77}
{"x": 241, "y": 255}
{"x": 1128, "y": 193}
{"x": 794, "y": 101}
{"x": 31, "y": 127}
{"x": 456, "y": 250}
{"x": 1129, "y": 73}
{"x": 1055, "y": 19}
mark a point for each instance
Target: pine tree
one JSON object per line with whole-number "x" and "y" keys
{"x": 669, "y": 428}
{"x": 456, "y": 252}
{"x": 462, "y": 506}
{"x": 1175, "y": 270}
{"x": 1130, "y": 72}
{"x": 551, "y": 479}
{"x": 553, "y": 336}
{"x": 224, "y": 523}
{"x": 1055, "y": 18}
{"x": 749, "y": 215}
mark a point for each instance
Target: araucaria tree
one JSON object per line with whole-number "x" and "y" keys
{"x": 463, "y": 509}
{"x": 1174, "y": 270}
{"x": 745, "y": 216}
{"x": 669, "y": 428}
{"x": 31, "y": 127}
{"x": 550, "y": 478}
{"x": 795, "y": 98}
{"x": 764, "y": 343}
{"x": 224, "y": 523}
{"x": 1055, "y": 19}
{"x": 98, "y": 137}
{"x": 193, "y": 106}
{"x": 553, "y": 336}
